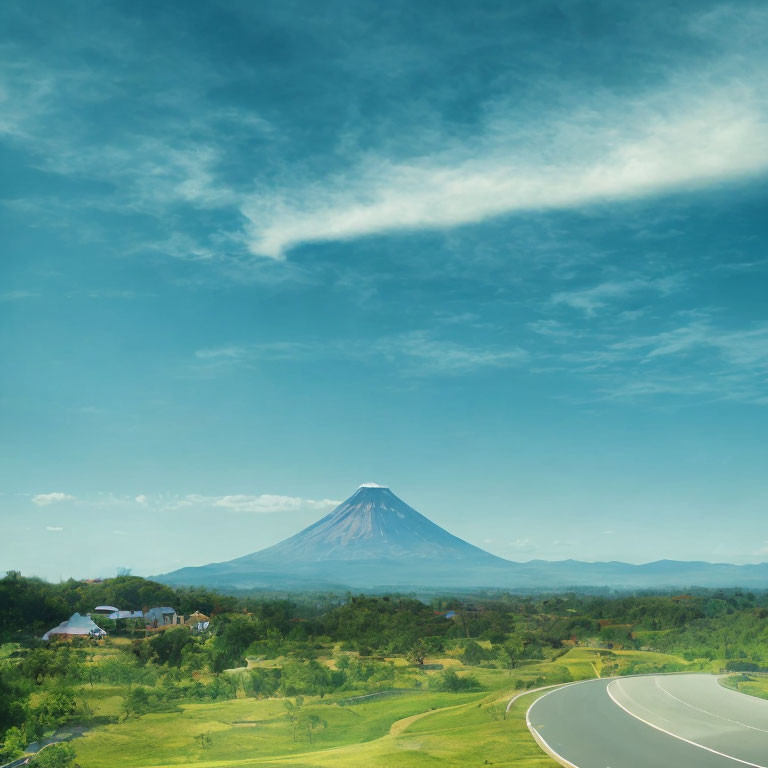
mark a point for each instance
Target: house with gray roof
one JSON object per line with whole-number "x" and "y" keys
{"x": 162, "y": 616}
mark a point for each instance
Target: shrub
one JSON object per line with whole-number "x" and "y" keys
{"x": 474, "y": 654}
{"x": 741, "y": 666}
{"x": 450, "y": 682}
{"x": 54, "y": 756}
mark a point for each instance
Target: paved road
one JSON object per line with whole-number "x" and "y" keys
{"x": 659, "y": 721}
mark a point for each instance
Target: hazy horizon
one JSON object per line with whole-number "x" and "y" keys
{"x": 183, "y": 509}
{"x": 507, "y": 259}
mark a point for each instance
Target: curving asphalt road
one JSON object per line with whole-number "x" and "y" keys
{"x": 658, "y": 721}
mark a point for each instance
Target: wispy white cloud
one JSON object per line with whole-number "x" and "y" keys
{"x": 741, "y": 347}
{"x": 417, "y": 352}
{"x": 54, "y": 528}
{"x": 228, "y": 352}
{"x": 264, "y": 503}
{"x": 25, "y": 91}
{"x": 692, "y": 356}
{"x": 554, "y": 330}
{"x": 269, "y": 503}
{"x": 665, "y": 141}
{"x": 17, "y": 295}
{"x": 182, "y": 246}
{"x": 523, "y": 545}
{"x": 44, "y": 499}
{"x": 591, "y": 300}
{"x": 425, "y": 354}
{"x": 699, "y": 360}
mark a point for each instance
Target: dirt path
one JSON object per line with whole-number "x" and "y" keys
{"x": 400, "y": 725}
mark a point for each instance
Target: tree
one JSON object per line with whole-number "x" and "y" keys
{"x": 451, "y": 682}
{"x": 13, "y": 744}
{"x": 233, "y": 637}
{"x": 205, "y": 739}
{"x": 54, "y": 756}
{"x": 293, "y": 712}
{"x": 137, "y": 702}
{"x": 515, "y": 652}
{"x": 265, "y": 682}
{"x": 309, "y": 678}
{"x": 314, "y": 722}
{"x": 417, "y": 653}
{"x": 56, "y": 708}
{"x": 13, "y": 700}
{"x": 504, "y": 660}
{"x": 473, "y": 653}
{"x": 168, "y": 646}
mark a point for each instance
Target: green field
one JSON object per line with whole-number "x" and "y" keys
{"x": 754, "y": 685}
{"x": 413, "y": 730}
{"x": 417, "y": 728}
{"x": 594, "y": 662}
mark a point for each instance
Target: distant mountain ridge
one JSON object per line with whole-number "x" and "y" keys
{"x": 374, "y": 540}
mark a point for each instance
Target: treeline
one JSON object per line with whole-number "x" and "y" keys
{"x": 710, "y": 624}
{"x": 30, "y": 606}
{"x": 721, "y": 622}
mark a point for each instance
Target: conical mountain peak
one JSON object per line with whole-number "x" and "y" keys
{"x": 372, "y": 524}
{"x": 375, "y": 540}
{"x": 373, "y": 537}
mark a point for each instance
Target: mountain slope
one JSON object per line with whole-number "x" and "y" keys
{"x": 374, "y": 540}
{"x": 371, "y": 524}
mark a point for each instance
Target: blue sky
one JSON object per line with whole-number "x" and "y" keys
{"x": 507, "y": 258}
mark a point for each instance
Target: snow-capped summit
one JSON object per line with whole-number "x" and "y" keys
{"x": 372, "y": 536}
{"x": 371, "y": 524}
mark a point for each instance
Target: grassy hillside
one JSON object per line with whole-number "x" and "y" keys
{"x": 753, "y": 685}
{"x": 418, "y": 727}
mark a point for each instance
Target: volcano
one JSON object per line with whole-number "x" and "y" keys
{"x": 372, "y": 539}
{"x": 375, "y": 541}
{"x": 372, "y": 524}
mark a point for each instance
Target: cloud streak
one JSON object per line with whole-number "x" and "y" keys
{"x": 265, "y": 503}
{"x": 591, "y": 300}
{"x": 45, "y": 499}
{"x": 697, "y": 361}
{"x": 260, "y": 504}
{"x": 690, "y": 355}
{"x": 621, "y": 152}
{"x": 270, "y": 503}
{"x": 414, "y": 353}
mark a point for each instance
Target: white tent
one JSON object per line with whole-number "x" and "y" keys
{"x": 76, "y": 626}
